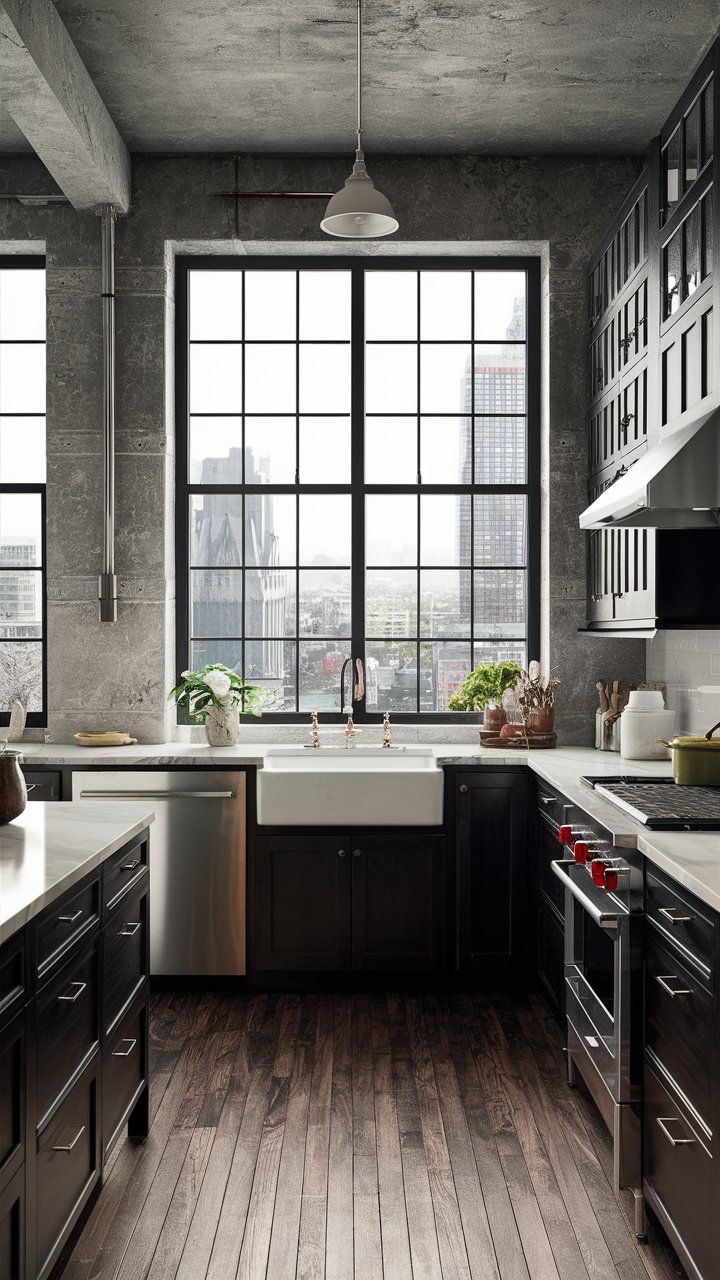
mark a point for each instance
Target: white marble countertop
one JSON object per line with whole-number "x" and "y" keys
{"x": 51, "y": 847}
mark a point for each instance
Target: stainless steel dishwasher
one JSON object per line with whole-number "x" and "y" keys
{"x": 197, "y": 864}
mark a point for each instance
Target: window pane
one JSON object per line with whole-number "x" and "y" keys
{"x": 445, "y": 378}
{"x": 391, "y": 450}
{"x": 324, "y": 602}
{"x": 269, "y": 450}
{"x": 500, "y": 603}
{"x": 445, "y": 602}
{"x": 20, "y": 529}
{"x": 20, "y": 604}
{"x": 692, "y": 251}
{"x": 215, "y": 379}
{"x": 445, "y": 447}
{"x": 499, "y": 305}
{"x": 22, "y": 378}
{"x": 443, "y": 667}
{"x": 270, "y": 304}
{"x": 21, "y": 675}
{"x": 22, "y": 304}
{"x": 270, "y": 602}
{"x": 324, "y": 378}
{"x": 707, "y": 123}
{"x": 215, "y": 450}
{"x": 320, "y": 665}
{"x": 500, "y": 378}
{"x": 269, "y": 378}
{"x": 229, "y": 652}
{"x": 270, "y": 529}
{"x": 215, "y": 299}
{"x": 391, "y": 676}
{"x": 390, "y": 305}
{"x": 325, "y": 304}
{"x": 390, "y": 603}
{"x": 216, "y": 530}
{"x": 215, "y": 602}
{"x": 325, "y": 534}
{"x": 500, "y": 451}
{"x": 671, "y": 166}
{"x": 445, "y": 304}
{"x": 272, "y": 664}
{"x": 692, "y": 144}
{"x": 22, "y": 450}
{"x": 391, "y": 379}
{"x": 500, "y": 525}
{"x": 325, "y": 450}
{"x": 500, "y": 651}
{"x": 390, "y": 529}
{"x": 445, "y": 529}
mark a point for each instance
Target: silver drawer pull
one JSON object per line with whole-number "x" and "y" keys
{"x": 130, "y": 929}
{"x": 71, "y": 919}
{"x": 664, "y": 981}
{"x": 72, "y": 998}
{"x": 663, "y": 1122}
{"x": 124, "y": 1053}
{"x": 157, "y": 795}
{"x": 130, "y": 866}
{"x": 546, "y": 799}
{"x": 667, "y": 912}
{"x": 75, "y": 1140}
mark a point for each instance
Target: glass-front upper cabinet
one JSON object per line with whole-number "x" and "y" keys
{"x": 687, "y": 150}
{"x": 623, "y": 252}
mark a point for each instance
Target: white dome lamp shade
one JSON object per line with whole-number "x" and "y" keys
{"x": 358, "y": 211}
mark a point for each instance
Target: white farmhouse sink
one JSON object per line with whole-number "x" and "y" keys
{"x": 356, "y": 786}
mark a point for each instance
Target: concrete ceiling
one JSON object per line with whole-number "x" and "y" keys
{"x": 497, "y": 76}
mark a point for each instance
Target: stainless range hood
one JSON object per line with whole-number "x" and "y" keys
{"x": 675, "y": 485}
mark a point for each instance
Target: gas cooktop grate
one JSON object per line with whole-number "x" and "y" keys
{"x": 660, "y": 804}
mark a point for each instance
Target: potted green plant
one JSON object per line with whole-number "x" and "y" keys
{"x": 484, "y": 688}
{"x": 215, "y": 696}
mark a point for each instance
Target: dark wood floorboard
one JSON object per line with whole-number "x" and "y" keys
{"x": 365, "y": 1137}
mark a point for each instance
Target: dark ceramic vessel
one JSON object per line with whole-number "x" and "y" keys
{"x": 13, "y": 792}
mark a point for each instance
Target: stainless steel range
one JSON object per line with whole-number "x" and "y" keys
{"x": 660, "y": 804}
{"x": 603, "y": 976}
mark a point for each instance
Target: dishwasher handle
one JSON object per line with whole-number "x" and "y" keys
{"x": 157, "y": 795}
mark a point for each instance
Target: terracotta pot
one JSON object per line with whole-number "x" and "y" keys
{"x": 13, "y": 792}
{"x": 541, "y": 720}
{"x": 493, "y": 717}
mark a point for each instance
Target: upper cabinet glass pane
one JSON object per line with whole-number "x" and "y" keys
{"x": 671, "y": 172}
{"x": 325, "y": 305}
{"x": 445, "y": 310}
{"x": 215, "y": 305}
{"x": 270, "y": 302}
{"x": 391, "y": 306}
{"x": 499, "y": 305}
{"x": 692, "y": 144}
{"x": 707, "y": 123}
{"x": 22, "y": 305}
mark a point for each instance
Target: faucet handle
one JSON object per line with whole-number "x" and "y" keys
{"x": 386, "y": 730}
{"x": 314, "y": 734}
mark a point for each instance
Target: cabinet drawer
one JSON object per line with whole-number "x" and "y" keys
{"x": 13, "y": 976}
{"x": 678, "y": 1169}
{"x": 121, "y": 872}
{"x": 12, "y": 1229}
{"x": 551, "y": 955}
{"x": 548, "y": 852}
{"x": 682, "y": 921}
{"x": 123, "y": 1070}
{"x": 66, "y": 1167}
{"x": 66, "y": 921}
{"x": 679, "y": 1026}
{"x": 67, "y": 1023}
{"x": 12, "y": 1097}
{"x": 125, "y": 958}
{"x": 42, "y": 784}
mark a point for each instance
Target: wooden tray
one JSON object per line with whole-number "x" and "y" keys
{"x": 533, "y": 741}
{"x": 109, "y": 739}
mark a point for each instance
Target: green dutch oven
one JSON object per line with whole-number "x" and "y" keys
{"x": 695, "y": 761}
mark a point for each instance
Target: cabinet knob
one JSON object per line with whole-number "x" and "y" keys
{"x": 341, "y": 853}
{"x": 357, "y": 853}
{"x": 464, "y": 788}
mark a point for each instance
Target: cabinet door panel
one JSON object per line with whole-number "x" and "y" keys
{"x": 42, "y": 784}
{"x": 302, "y": 902}
{"x": 491, "y": 876}
{"x": 66, "y": 1167}
{"x": 12, "y": 1096}
{"x": 551, "y": 955}
{"x": 679, "y": 1169}
{"x": 67, "y": 1026}
{"x": 398, "y": 902}
{"x": 12, "y": 1229}
{"x": 126, "y": 954}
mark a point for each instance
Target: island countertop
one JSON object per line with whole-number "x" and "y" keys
{"x": 53, "y": 846}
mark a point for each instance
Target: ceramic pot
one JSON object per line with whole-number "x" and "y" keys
{"x": 222, "y": 726}
{"x": 541, "y": 720}
{"x": 13, "y": 792}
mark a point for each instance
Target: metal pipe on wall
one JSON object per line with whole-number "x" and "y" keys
{"x": 107, "y": 581}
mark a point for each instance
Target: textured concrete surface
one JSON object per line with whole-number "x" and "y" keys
{"x": 47, "y": 90}
{"x": 559, "y": 205}
{"x": 440, "y": 75}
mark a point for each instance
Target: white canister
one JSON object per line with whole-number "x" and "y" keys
{"x": 644, "y": 720}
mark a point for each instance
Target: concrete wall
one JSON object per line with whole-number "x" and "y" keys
{"x": 105, "y": 676}
{"x": 690, "y": 663}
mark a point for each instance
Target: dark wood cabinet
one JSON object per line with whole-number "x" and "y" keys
{"x": 12, "y": 1228}
{"x": 492, "y": 904}
{"x": 398, "y": 902}
{"x": 42, "y": 784}
{"x": 302, "y": 902}
{"x": 13, "y": 1042}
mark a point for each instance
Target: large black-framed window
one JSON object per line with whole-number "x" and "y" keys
{"x": 357, "y": 473}
{"x": 23, "y": 609}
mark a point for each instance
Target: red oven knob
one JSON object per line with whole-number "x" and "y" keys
{"x": 581, "y": 851}
{"x": 611, "y": 879}
{"x": 599, "y": 871}
{"x": 565, "y": 835}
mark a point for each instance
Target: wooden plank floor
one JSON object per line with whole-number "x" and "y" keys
{"x": 403, "y": 1137}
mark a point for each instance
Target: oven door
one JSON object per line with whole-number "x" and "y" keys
{"x": 598, "y": 979}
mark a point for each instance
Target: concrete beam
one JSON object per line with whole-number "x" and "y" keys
{"x": 48, "y": 92}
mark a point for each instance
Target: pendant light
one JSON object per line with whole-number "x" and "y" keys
{"x": 358, "y": 211}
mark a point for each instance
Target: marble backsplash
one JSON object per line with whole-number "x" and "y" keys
{"x": 689, "y": 661}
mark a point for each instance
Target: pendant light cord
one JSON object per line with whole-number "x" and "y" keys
{"x": 359, "y": 157}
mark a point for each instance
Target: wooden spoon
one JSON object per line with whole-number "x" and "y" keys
{"x": 602, "y": 690}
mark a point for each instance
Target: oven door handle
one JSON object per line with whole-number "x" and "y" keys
{"x": 609, "y": 920}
